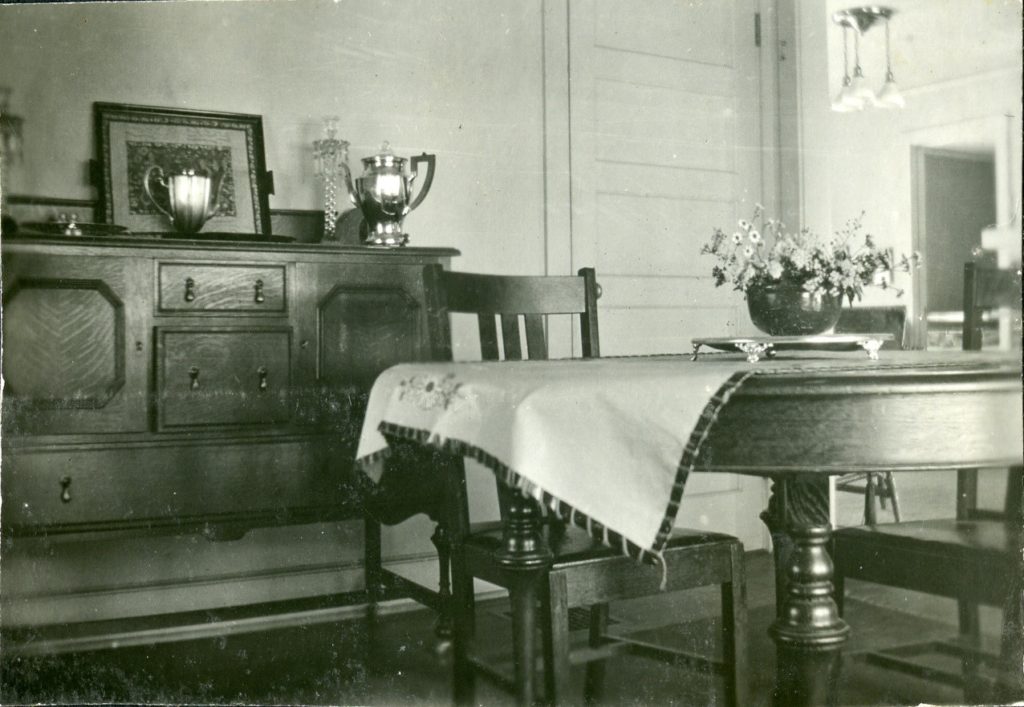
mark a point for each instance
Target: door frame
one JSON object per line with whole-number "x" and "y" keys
{"x": 991, "y": 131}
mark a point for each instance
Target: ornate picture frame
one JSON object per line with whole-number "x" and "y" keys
{"x": 130, "y": 139}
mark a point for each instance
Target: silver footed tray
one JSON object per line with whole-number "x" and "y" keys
{"x": 756, "y": 346}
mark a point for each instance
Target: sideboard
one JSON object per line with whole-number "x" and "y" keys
{"x": 166, "y": 386}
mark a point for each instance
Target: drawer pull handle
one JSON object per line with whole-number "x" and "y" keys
{"x": 65, "y": 489}
{"x": 259, "y": 292}
{"x": 262, "y": 373}
{"x": 193, "y": 374}
{"x": 190, "y": 289}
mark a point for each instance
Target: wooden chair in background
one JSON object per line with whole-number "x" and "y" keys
{"x": 975, "y": 558}
{"x": 876, "y": 488}
{"x": 584, "y": 573}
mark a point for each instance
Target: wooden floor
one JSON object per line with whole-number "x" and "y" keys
{"x": 339, "y": 664}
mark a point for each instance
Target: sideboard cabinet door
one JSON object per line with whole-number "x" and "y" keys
{"x": 353, "y": 320}
{"x": 75, "y": 344}
{"x": 368, "y": 317}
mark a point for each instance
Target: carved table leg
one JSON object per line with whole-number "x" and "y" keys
{"x": 809, "y": 633}
{"x": 774, "y": 517}
{"x": 526, "y": 557}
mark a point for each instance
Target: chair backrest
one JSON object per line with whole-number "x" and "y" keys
{"x": 986, "y": 288}
{"x": 875, "y": 320}
{"x": 505, "y": 299}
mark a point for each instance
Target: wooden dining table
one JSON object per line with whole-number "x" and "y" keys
{"x": 796, "y": 419}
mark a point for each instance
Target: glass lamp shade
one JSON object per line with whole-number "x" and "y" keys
{"x": 860, "y": 90}
{"x": 890, "y": 96}
{"x": 846, "y": 101}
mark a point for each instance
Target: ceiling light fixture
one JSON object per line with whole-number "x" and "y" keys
{"x": 855, "y": 93}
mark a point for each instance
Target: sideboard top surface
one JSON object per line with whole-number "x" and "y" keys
{"x": 176, "y": 247}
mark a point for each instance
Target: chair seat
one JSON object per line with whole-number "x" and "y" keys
{"x": 919, "y": 555}
{"x": 945, "y": 535}
{"x": 573, "y": 544}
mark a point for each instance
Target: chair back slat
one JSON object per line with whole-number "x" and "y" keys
{"x": 488, "y": 337}
{"x": 589, "y": 332}
{"x": 1014, "y": 506}
{"x": 439, "y": 332}
{"x": 536, "y": 345}
{"x": 510, "y": 337}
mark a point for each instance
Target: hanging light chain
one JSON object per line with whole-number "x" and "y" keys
{"x": 888, "y": 58}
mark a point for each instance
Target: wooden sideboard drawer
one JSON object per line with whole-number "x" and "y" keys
{"x": 222, "y": 376}
{"x": 200, "y": 287}
{"x": 171, "y": 485}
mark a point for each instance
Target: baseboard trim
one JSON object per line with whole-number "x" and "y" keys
{"x": 193, "y": 631}
{"x": 343, "y": 595}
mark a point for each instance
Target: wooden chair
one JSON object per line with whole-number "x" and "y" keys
{"x": 584, "y": 574}
{"x": 876, "y": 488}
{"x": 975, "y": 558}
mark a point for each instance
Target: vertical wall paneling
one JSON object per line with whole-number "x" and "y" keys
{"x": 666, "y": 144}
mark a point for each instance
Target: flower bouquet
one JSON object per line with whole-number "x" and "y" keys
{"x": 795, "y": 282}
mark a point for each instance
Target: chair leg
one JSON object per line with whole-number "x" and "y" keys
{"x": 555, "y": 628}
{"x": 463, "y": 631}
{"x": 372, "y": 562}
{"x": 442, "y": 543}
{"x": 890, "y": 484}
{"x": 593, "y": 684}
{"x": 870, "y": 517}
{"x": 1010, "y": 683}
{"x": 462, "y": 606}
{"x": 970, "y": 626}
{"x": 734, "y": 633}
{"x": 373, "y": 581}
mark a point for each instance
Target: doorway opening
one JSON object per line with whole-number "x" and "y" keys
{"x": 954, "y": 202}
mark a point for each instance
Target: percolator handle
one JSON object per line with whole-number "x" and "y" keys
{"x": 146, "y": 178}
{"x": 430, "y": 161}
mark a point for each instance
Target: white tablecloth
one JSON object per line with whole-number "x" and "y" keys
{"x": 606, "y": 443}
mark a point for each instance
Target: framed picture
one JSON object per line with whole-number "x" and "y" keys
{"x": 227, "y": 147}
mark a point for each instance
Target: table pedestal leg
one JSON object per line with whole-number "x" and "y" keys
{"x": 809, "y": 633}
{"x": 774, "y": 517}
{"x": 526, "y": 557}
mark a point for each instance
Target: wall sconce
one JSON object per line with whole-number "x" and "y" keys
{"x": 855, "y": 94}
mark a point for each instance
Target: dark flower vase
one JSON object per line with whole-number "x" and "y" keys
{"x": 786, "y": 310}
